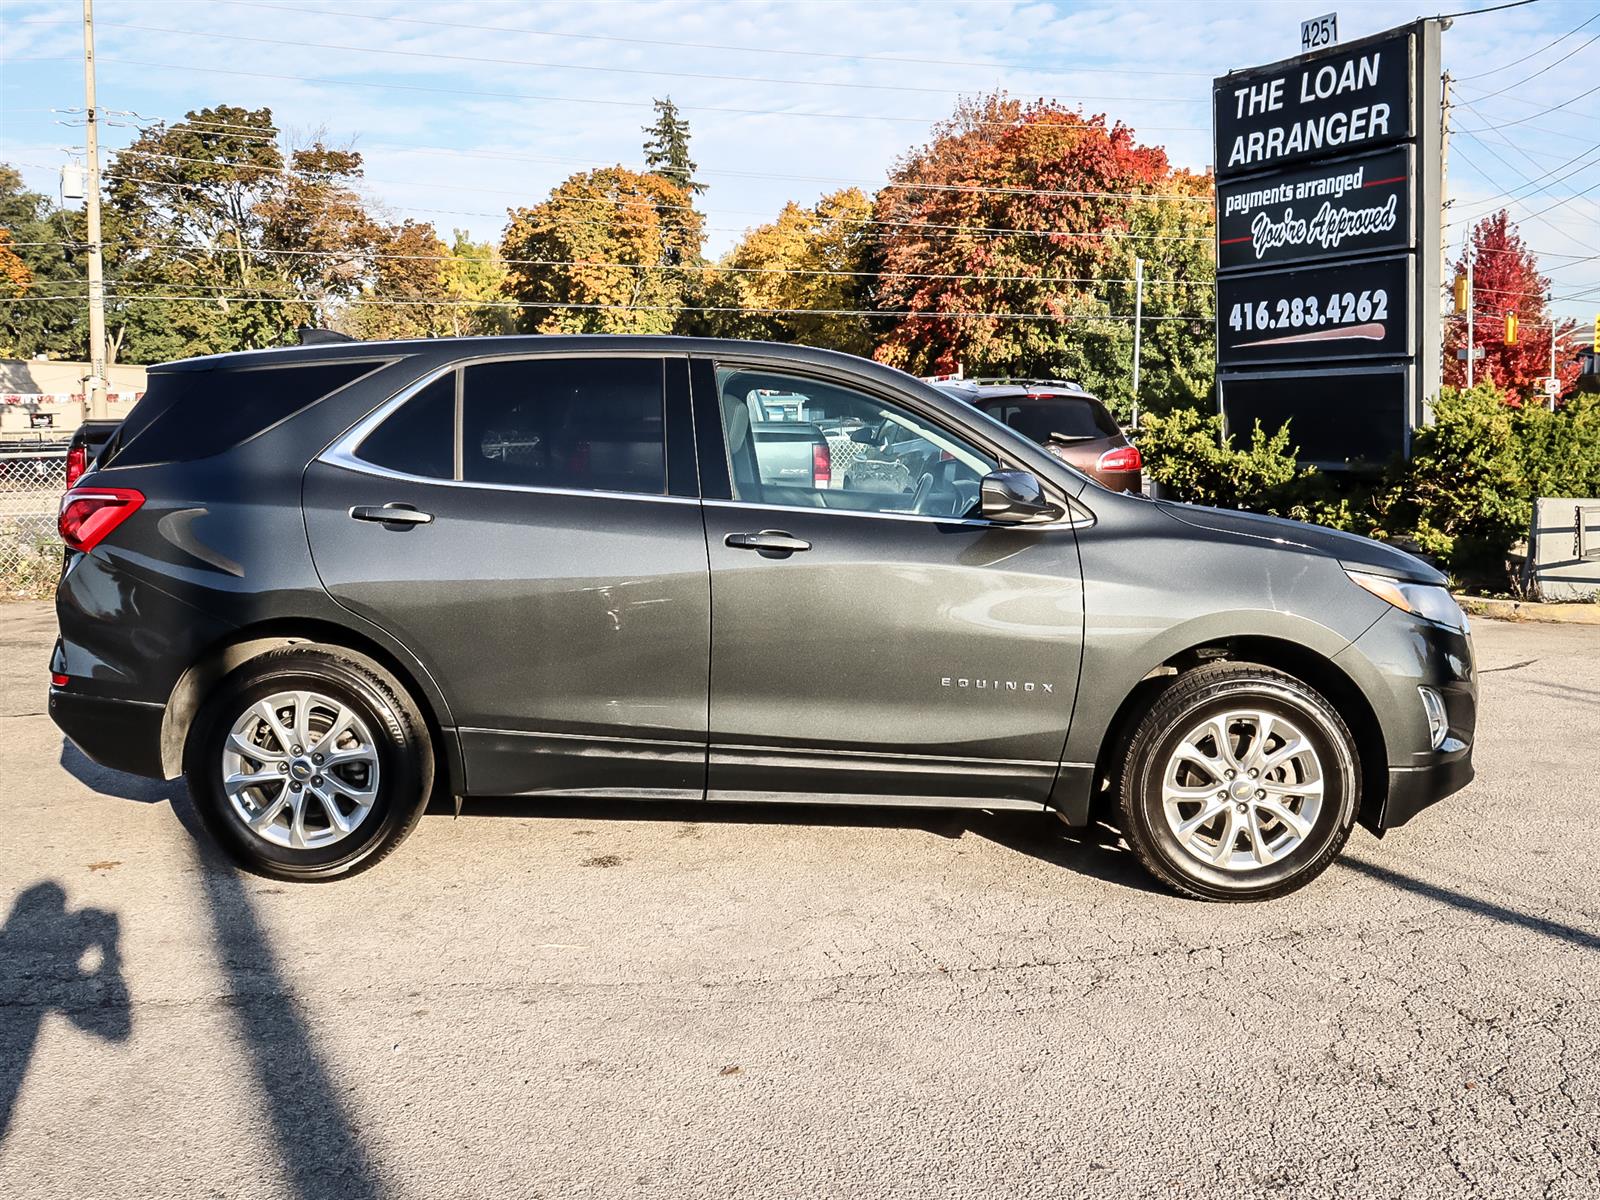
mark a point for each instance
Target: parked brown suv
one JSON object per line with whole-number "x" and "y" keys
{"x": 1064, "y": 419}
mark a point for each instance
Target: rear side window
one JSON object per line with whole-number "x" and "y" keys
{"x": 185, "y": 415}
{"x": 419, "y": 438}
{"x": 1069, "y": 418}
{"x": 587, "y": 423}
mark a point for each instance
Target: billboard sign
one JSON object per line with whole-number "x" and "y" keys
{"x": 1334, "y": 103}
{"x": 1347, "y": 311}
{"x": 1353, "y": 206}
{"x": 1328, "y": 243}
{"x": 1335, "y": 416}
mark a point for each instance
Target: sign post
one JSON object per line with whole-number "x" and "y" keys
{"x": 1329, "y": 238}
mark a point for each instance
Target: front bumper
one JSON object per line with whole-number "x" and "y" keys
{"x": 1412, "y": 789}
{"x": 1398, "y": 654}
{"x": 124, "y": 735}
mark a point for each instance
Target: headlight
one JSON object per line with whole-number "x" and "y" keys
{"x": 1419, "y": 599}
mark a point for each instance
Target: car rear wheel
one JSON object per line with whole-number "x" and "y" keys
{"x": 1241, "y": 783}
{"x": 309, "y": 762}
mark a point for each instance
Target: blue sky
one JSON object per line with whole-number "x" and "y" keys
{"x": 463, "y": 107}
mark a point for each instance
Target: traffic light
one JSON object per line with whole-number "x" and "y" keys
{"x": 1511, "y": 328}
{"x": 1461, "y": 297}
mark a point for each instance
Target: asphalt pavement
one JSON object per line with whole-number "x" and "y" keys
{"x": 620, "y": 1000}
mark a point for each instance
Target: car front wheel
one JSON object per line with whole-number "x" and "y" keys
{"x": 309, "y": 762}
{"x": 1241, "y": 783}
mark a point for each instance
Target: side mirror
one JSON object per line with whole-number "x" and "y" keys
{"x": 864, "y": 435}
{"x": 1014, "y": 498}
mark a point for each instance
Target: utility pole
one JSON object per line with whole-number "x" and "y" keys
{"x": 1138, "y": 331}
{"x": 1472, "y": 347}
{"x": 1552, "y": 395}
{"x": 96, "y": 403}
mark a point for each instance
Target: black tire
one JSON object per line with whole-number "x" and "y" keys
{"x": 399, "y": 739}
{"x": 1213, "y": 691}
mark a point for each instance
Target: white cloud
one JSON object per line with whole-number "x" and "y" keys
{"x": 513, "y": 150}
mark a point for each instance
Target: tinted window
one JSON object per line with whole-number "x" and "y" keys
{"x": 587, "y": 423}
{"x": 1068, "y": 418}
{"x": 795, "y": 441}
{"x": 419, "y": 438}
{"x": 186, "y": 415}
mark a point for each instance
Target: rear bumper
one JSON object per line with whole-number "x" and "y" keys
{"x": 124, "y": 735}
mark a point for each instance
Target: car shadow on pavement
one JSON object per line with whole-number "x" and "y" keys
{"x": 1096, "y": 851}
{"x": 1586, "y": 939}
{"x": 321, "y": 1150}
{"x": 53, "y": 959}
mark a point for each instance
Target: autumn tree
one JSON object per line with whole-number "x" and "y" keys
{"x": 1009, "y": 241}
{"x": 599, "y": 256}
{"x": 316, "y": 231}
{"x": 1506, "y": 279}
{"x": 403, "y": 293}
{"x": 812, "y": 259}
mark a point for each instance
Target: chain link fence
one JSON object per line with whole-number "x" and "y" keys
{"x": 30, "y": 498}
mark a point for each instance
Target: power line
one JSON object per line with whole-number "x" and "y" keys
{"x": 1548, "y": 66}
{"x": 390, "y": 302}
{"x": 710, "y": 268}
{"x": 1544, "y": 111}
{"x": 549, "y": 66}
{"x": 586, "y": 100}
{"x": 689, "y": 45}
{"x": 1517, "y": 61}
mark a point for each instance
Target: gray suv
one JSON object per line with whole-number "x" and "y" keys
{"x": 326, "y": 583}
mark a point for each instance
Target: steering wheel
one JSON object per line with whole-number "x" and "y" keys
{"x": 920, "y": 497}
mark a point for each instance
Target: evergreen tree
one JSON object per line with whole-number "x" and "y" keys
{"x": 667, "y": 152}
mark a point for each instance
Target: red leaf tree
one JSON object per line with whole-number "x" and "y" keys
{"x": 1506, "y": 279}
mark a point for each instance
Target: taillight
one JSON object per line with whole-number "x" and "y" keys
{"x": 59, "y": 680}
{"x": 89, "y": 514}
{"x": 821, "y": 465}
{"x": 77, "y": 463}
{"x": 1123, "y": 458}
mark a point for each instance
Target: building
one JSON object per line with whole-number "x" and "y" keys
{"x": 43, "y": 400}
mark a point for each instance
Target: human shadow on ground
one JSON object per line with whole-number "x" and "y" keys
{"x": 321, "y": 1150}
{"x": 54, "y": 959}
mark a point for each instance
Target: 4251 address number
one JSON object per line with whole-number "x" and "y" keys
{"x": 1341, "y": 308}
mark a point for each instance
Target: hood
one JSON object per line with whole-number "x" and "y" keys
{"x": 1349, "y": 549}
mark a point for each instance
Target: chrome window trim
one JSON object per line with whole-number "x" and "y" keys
{"x": 1061, "y": 523}
{"x": 342, "y": 451}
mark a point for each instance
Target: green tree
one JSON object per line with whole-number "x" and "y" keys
{"x": 474, "y": 281}
{"x": 41, "y": 261}
{"x": 666, "y": 152}
{"x": 187, "y": 205}
{"x": 599, "y": 257}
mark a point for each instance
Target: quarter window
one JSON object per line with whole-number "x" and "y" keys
{"x": 802, "y": 442}
{"x": 584, "y": 423}
{"x": 419, "y": 438}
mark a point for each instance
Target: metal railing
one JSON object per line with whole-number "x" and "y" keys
{"x": 31, "y": 484}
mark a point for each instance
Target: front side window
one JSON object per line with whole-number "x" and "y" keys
{"x": 796, "y": 441}
{"x": 590, "y": 424}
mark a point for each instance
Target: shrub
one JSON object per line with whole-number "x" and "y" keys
{"x": 1464, "y": 498}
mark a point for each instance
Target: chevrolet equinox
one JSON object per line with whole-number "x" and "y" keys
{"x": 324, "y": 583}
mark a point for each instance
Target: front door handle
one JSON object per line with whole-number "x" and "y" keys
{"x": 769, "y": 543}
{"x": 390, "y": 514}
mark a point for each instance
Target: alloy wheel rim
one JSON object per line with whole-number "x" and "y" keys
{"x": 1242, "y": 790}
{"x": 300, "y": 769}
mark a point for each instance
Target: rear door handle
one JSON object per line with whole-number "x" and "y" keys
{"x": 769, "y": 543}
{"x": 390, "y": 514}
